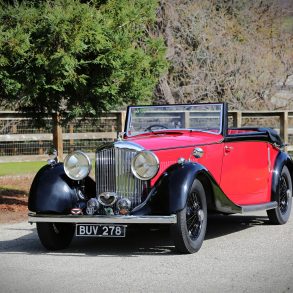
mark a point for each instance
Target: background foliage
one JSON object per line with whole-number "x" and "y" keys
{"x": 225, "y": 50}
{"x": 83, "y": 57}
{"x": 77, "y": 58}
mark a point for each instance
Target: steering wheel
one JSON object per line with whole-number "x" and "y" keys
{"x": 157, "y": 126}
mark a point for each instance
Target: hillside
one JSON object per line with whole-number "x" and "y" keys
{"x": 234, "y": 51}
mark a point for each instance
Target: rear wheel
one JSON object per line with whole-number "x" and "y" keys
{"x": 55, "y": 236}
{"x": 280, "y": 215}
{"x": 189, "y": 231}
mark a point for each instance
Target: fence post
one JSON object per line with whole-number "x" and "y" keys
{"x": 14, "y": 131}
{"x": 121, "y": 121}
{"x": 186, "y": 119}
{"x": 284, "y": 125}
{"x": 237, "y": 119}
{"x": 71, "y": 140}
{"x": 57, "y": 135}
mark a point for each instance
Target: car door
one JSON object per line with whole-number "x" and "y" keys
{"x": 245, "y": 172}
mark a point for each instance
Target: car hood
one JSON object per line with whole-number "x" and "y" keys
{"x": 175, "y": 140}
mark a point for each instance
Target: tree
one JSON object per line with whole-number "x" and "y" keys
{"x": 70, "y": 59}
{"x": 224, "y": 50}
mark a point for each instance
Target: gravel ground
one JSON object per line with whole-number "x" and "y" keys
{"x": 239, "y": 254}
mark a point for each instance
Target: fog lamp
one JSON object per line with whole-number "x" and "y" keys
{"x": 92, "y": 206}
{"x": 124, "y": 205}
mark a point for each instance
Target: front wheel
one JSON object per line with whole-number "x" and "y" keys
{"x": 280, "y": 215}
{"x": 189, "y": 231}
{"x": 55, "y": 236}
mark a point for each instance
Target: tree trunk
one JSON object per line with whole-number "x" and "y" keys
{"x": 57, "y": 135}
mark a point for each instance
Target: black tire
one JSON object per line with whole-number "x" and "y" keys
{"x": 189, "y": 231}
{"x": 55, "y": 236}
{"x": 280, "y": 215}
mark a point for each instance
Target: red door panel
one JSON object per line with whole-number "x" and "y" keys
{"x": 245, "y": 172}
{"x": 212, "y": 159}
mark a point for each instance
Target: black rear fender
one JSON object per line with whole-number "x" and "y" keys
{"x": 283, "y": 159}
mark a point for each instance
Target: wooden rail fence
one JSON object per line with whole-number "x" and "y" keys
{"x": 19, "y": 137}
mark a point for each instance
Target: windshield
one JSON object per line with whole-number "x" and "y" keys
{"x": 200, "y": 117}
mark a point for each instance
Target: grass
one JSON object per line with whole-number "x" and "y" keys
{"x": 23, "y": 168}
{"x": 20, "y": 168}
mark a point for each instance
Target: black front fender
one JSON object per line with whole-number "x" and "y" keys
{"x": 51, "y": 191}
{"x": 173, "y": 188}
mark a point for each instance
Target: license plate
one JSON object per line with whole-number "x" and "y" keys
{"x": 100, "y": 230}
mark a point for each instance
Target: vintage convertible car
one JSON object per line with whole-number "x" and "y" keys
{"x": 172, "y": 166}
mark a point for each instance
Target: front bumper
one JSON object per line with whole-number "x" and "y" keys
{"x": 86, "y": 219}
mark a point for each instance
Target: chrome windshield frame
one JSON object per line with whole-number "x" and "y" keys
{"x": 221, "y": 122}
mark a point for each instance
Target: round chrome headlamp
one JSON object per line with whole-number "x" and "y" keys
{"x": 77, "y": 165}
{"x": 145, "y": 165}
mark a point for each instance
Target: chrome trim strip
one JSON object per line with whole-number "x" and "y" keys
{"x": 259, "y": 207}
{"x": 33, "y": 218}
{"x": 128, "y": 145}
{"x": 188, "y": 146}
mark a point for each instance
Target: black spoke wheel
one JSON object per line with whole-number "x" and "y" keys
{"x": 55, "y": 236}
{"x": 281, "y": 214}
{"x": 189, "y": 231}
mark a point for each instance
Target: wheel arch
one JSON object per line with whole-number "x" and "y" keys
{"x": 283, "y": 159}
{"x": 289, "y": 165}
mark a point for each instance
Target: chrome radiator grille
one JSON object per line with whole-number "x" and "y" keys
{"x": 113, "y": 174}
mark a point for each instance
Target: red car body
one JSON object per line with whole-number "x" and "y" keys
{"x": 173, "y": 165}
{"x": 254, "y": 161}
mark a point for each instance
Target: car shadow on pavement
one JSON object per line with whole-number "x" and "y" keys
{"x": 221, "y": 225}
{"x": 139, "y": 240}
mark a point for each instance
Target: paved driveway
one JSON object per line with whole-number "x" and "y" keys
{"x": 240, "y": 254}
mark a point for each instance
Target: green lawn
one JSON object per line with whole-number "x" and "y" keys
{"x": 20, "y": 168}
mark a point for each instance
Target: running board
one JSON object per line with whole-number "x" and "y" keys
{"x": 259, "y": 207}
